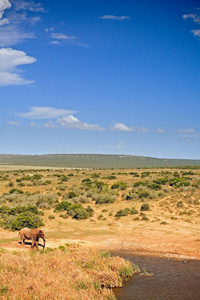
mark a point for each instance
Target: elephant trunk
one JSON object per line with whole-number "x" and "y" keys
{"x": 44, "y": 243}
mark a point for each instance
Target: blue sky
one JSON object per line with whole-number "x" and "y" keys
{"x": 115, "y": 77}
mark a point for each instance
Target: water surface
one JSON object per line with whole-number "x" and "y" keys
{"x": 172, "y": 279}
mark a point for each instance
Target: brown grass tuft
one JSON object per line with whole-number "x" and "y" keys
{"x": 55, "y": 274}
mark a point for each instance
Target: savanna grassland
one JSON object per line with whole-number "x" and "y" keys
{"x": 84, "y": 212}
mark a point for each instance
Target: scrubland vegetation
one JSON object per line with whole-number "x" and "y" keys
{"x": 87, "y": 205}
{"x": 29, "y": 195}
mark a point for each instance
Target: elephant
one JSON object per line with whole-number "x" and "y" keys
{"x": 32, "y": 234}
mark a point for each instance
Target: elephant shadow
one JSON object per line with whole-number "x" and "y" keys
{"x": 29, "y": 244}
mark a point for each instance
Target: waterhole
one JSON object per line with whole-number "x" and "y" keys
{"x": 172, "y": 279}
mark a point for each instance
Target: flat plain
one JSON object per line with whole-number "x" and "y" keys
{"x": 154, "y": 210}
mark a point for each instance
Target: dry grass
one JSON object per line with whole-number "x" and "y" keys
{"x": 69, "y": 273}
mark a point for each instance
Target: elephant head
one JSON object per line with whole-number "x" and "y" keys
{"x": 40, "y": 234}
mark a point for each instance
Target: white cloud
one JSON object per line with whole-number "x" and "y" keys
{"x": 4, "y": 4}
{"x": 186, "y": 130}
{"x": 122, "y": 127}
{"x": 161, "y": 130}
{"x": 117, "y": 18}
{"x": 13, "y": 123}
{"x": 49, "y": 124}
{"x": 12, "y": 26}
{"x": 4, "y": 22}
{"x": 38, "y": 112}
{"x": 194, "y": 17}
{"x": 55, "y": 42}
{"x": 196, "y": 32}
{"x": 9, "y": 60}
{"x": 72, "y": 122}
{"x": 29, "y": 5}
{"x": 11, "y": 35}
{"x": 62, "y": 36}
{"x": 142, "y": 129}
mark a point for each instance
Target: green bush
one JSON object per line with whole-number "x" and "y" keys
{"x": 179, "y": 204}
{"x": 16, "y": 191}
{"x": 144, "y": 207}
{"x": 133, "y": 211}
{"x": 62, "y": 206}
{"x": 122, "y": 212}
{"x": 161, "y": 181}
{"x": 138, "y": 183}
{"x": 26, "y": 219}
{"x": 119, "y": 185}
{"x": 155, "y": 186}
{"x": 111, "y": 177}
{"x": 115, "y": 185}
{"x": 72, "y": 194}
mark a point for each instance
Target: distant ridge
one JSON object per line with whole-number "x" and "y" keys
{"x": 95, "y": 161}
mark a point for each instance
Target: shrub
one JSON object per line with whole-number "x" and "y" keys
{"x": 36, "y": 177}
{"x": 155, "y": 186}
{"x": 51, "y": 217}
{"x": 179, "y": 204}
{"x": 104, "y": 198}
{"x": 122, "y": 212}
{"x": 16, "y": 191}
{"x": 138, "y": 183}
{"x": 115, "y": 185}
{"x": 62, "y": 206}
{"x": 144, "y": 218}
{"x": 178, "y": 182}
{"x": 72, "y": 194}
{"x": 26, "y": 219}
{"x": 111, "y": 177}
{"x": 144, "y": 207}
{"x": 64, "y": 216}
{"x": 119, "y": 185}
{"x": 161, "y": 181}
{"x": 133, "y": 211}
{"x": 95, "y": 175}
{"x": 64, "y": 178}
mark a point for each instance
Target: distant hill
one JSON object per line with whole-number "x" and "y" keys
{"x": 95, "y": 161}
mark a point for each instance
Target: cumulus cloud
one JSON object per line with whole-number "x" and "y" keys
{"x": 38, "y": 112}
{"x": 117, "y": 18}
{"x": 13, "y": 123}
{"x": 71, "y": 122}
{"x": 194, "y": 17}
{"x": 9, "y": 61}
{"x": 122, "y": 127}
{"x": 4, "y": 4}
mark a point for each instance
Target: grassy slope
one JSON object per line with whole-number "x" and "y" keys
{"x": 94, "y": 161}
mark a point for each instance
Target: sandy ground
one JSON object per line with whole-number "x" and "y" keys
{"x": 178, "y": 245}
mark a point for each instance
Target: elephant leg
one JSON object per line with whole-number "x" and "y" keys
{"x": 37, "y": 244}
{"x": 33, "y": 243}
